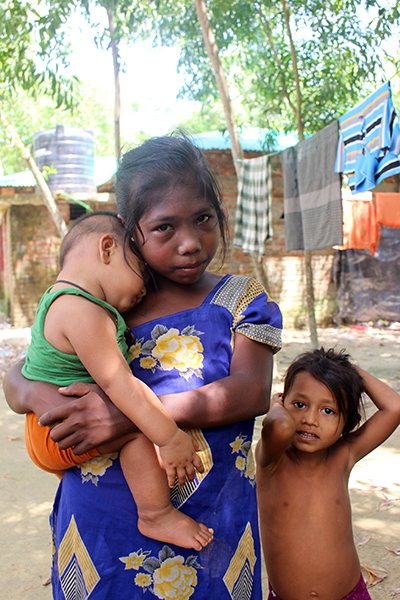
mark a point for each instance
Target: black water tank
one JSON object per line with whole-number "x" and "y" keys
{"x": 70, "y": 151}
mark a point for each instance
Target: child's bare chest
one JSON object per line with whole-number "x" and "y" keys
{"x": 296, "y": 487}
{"x": 299, "y": 504}
{"x": 305, "y": 516}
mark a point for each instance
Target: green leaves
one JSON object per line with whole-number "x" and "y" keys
{"x": 33, "y": 52}
{"x": 338, "y": 44}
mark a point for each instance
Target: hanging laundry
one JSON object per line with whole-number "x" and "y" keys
{"x": 369, "y": 143}
{"x": 359, "y": 225}
{"x": 387, "y": 207}
{"x": 312, "y": 192}
{"x": 387, "y": 213}
{"x": 253, "y": 224}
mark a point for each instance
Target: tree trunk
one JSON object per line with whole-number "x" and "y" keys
{"x": 259, "y": 271}
{"x": 310, "y": 298}
{"x": 117, "y": 87}
{"x": 307, "y": 253}
{"x": 213, "y": 53}
{"x": 237, "y": 152}
{"x": 44, "y": 188}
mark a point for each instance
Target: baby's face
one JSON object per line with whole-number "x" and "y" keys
{"x": 314, "y": 410}
{"x": 128, "y": 277}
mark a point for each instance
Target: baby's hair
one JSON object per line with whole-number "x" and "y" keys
{"x": 336, "y": 372}
{"x": 99, "y": 221}
{"x": 159, "y": 163}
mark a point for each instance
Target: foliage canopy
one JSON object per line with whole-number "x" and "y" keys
{"x": 339, "y": 57}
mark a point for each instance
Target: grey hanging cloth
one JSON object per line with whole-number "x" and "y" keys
{"x": 312, "y": 192}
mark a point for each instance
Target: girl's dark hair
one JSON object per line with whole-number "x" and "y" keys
{"x": 157, "y": 164}
{"x": 336, "y": 372}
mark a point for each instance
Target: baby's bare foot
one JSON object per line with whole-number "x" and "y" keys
{"x": 173, "y": 527}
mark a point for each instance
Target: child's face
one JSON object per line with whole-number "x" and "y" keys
{"x": 126, "y": 288}
{"x": 315, "y": 413}
{"x": 181, "y": 235}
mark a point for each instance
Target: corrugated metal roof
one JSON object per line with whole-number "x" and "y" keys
{"x": 24, "y": 179}
{"x": 104, "y": 169}
{"x": 251, "y": 139}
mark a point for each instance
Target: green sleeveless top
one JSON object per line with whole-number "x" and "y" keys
{"x": 46, "y": 363}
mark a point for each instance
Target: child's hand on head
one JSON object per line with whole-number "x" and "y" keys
{"x": 276, "y": 399}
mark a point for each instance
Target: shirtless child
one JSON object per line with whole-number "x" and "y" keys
{"x": 79, "y": 335}
{"x": 308, "y": 446}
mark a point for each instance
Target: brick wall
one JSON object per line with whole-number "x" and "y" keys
{"x": 30, "y": 249}
{"x": 283, "y": 271}
{"x": 284, "y": 275}
{"x": 32, "y": 246}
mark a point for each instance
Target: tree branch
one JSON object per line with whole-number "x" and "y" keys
{"x": 44, "y": 188}
{"x": 213, "y": 53}
{"x": 277, "y": 58}
{"x": 295, "y": 70}
{"x": 117, "y": 87}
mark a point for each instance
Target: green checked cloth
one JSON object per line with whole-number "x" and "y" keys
{"x": 253, "y": 210}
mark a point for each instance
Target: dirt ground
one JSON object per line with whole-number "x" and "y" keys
{"x": 26, "y": 493}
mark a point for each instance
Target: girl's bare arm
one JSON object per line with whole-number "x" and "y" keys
{"x": 277, "y": 433}
{"x": 91, "y": 421}
{"x": 82, "y": 415}
{"x": 382, "y": 423}
{"x": 25, "y": 396}
{"x": 244, "y": 394}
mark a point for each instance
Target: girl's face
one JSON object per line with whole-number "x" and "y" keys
{"x": 315, "y": 413}
{"x": 180, "y": 235}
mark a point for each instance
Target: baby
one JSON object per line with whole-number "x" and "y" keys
{"x": 80, "y": 335}
{"x": 308, "y": 446}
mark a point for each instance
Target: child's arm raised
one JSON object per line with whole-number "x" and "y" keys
{"x": 277, "y": 433}
{"x": 382, "y": 423}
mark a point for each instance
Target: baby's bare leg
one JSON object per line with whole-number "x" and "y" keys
{"x": 158, "y": 519}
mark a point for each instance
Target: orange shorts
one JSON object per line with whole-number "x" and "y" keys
{"x": 45, "y": 453}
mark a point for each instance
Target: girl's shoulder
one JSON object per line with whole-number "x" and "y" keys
{"x": 233, "y": 287}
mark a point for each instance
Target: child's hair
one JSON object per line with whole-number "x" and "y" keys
{"x": 99, "y": 221}
{"x": 336, "y": 372}
{"x": 157, "y": 164}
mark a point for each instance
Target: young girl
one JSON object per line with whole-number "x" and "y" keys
{"x": 309, "y": 444}
{"x": 79, "y": 333}
{"x": 204, "y": 344}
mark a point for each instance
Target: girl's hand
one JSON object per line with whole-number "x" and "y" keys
{"x": 88, "y": 421}
{"x": 180, "y": 459}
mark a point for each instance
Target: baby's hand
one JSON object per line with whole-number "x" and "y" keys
{"x": 180, "y": 459}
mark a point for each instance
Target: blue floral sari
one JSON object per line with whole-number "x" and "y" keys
{"x": 99, "y": 553}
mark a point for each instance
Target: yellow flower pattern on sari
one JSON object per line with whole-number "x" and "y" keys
{"x": 171, "y": 349}
{"x": 134, "y": 350}
{"x": 245, "y": 461}
{"x": 134, "y": 560}
{"x": 167, "y": 577}
{"x": 143, "y": 580}
{"x": 96, "y": 467}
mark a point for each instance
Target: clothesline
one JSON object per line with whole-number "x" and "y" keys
{"x": 366, "y": 151}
